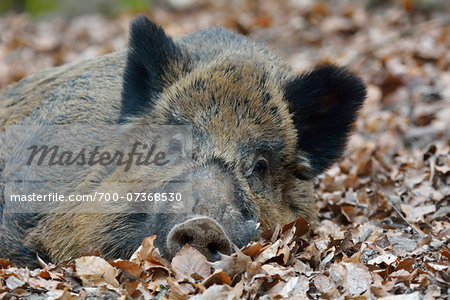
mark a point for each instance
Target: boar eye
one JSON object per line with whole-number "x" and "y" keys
{"x": 260, "y": 166}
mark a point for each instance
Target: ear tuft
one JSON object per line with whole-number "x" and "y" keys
{"x": 324, "y": 104}
{"x": 152, "y": 61}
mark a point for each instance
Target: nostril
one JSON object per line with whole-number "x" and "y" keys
{"x": 185, "y": 239}
{"x": 213, "y": 249}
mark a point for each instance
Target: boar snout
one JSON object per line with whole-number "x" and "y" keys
{"x": 204, "y": 234}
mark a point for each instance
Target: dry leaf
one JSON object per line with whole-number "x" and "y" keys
{"x": 94, "y": 270}
{"x": 189, "y": 261}
{"x": 234, "y": 264}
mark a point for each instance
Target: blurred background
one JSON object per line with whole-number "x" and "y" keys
{"x": 37, "y": 34}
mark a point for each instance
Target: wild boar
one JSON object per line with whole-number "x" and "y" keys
{"x": 260, "y": 134}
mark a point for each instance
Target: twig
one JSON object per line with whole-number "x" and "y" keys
{"x": 413, "y": 227}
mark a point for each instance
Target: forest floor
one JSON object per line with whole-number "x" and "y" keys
{"x": 383, "y": 224}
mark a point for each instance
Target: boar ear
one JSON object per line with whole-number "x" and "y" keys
{"x": 324, "y": 104}
{"x": 153, "y": 62}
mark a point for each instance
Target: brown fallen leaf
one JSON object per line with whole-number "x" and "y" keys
{"x": 284, "y": 252}
{"x": 219, "y": 292}
{"x": 132, "y": 269}
{"x": 5, "y": 264}
{"x": 94, "y": 270}
{"x": 268, "y": 253}
{"x": 252, "y": 249}
{"x": 179, "y": 290}
{"x": 189, "y": 261}
{"x": 234, "y": 264}
{"x": 144, "y": 252}
{"x": 218, "y": 277}
{"x": 326, "y": 286}
{"x": 300, "y": 224}
{"x": 358, "y": 277}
